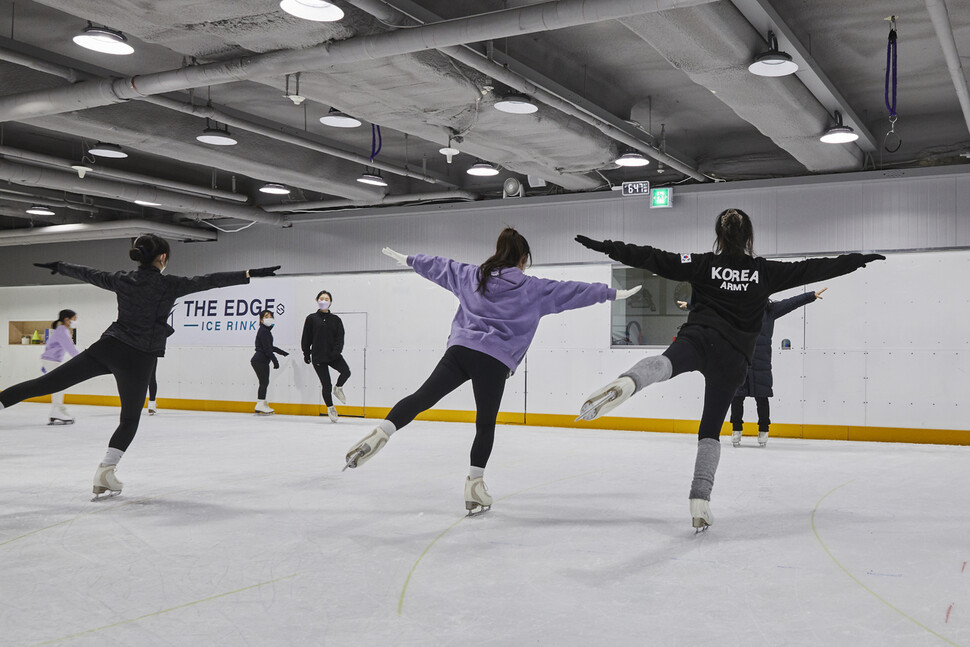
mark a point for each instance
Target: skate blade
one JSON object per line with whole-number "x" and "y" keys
{"x": 477, "y": 510}
{"x": 151, "y": 413}
{"x": 700, "y": 525}
{"x": 591, "y": 408}
{"x": 352, "y": 460}
{"x": 57, "y": 422}
{"x": 263, "y": 413}
{"x": 109, "y": 494}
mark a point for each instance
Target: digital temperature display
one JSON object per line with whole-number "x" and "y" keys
{"x": 636, "y": 188}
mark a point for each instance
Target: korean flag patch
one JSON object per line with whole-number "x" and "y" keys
{"x": 685, "y": 258}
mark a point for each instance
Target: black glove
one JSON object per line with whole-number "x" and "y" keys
{"x": 276, "y": 364}
{"x": 868, "y": 258}
{"x": 594, "y": 245}
{"x": 306, "y": 359}
{"x": 264, "y": 271}
{"x": 284, "y": 353}
{"x": 49, "y": 266}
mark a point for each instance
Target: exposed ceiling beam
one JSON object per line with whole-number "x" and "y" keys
{"x": 101, "y": 231}
{"x": 944, "y": 31}
{"x": 47, "y": 202}
{"x": 387, "y": 199}
{"x": 499, "y": 24}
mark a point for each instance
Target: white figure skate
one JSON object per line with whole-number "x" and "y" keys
{"x": 339, "y": 393}
{"x": 477, "y": 498}
{"x": 60, "y": 416}
{"x": 762, "y": 438}
{"x": 736, "y": 437}
{"x": 332, "y": 413}
{"x": 366, "y": 448}
{"x": 263, "y": 409}
{"x": 607, "y": 398}
{"x": 700, "y": 512}
{"x": 152, "y": 408}
{"x": 106, "y": 481}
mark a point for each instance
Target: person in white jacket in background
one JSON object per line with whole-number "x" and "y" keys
{"x": 59, "y": 344}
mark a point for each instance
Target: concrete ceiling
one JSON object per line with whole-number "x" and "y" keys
{"x": 602, "y": 88}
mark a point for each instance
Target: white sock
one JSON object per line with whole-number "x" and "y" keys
{"x": 151, "y": 404}
{"x": 387, "y": 427}
{"x": 112, "y": 456}
{"x": 476, "y": 472}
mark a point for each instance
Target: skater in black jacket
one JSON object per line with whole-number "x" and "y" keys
{"x": 130, "y": 346}
{"x": 323, "y": 343}
{"x": 759, "y": 381}
{"x": 730, "y": 289}
{"x": 262, "y": 357}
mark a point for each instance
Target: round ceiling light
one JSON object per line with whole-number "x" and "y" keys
{"x": 839, "y": 133}
{"x": 337, "y": 119}
{"x": 516, "y": 104}
{"x": 37, "y": 210}
{"x": 482, "y": 169}
{"x": 632, "y": 159}
{"x": 317, "y": 10}
{"x": 773, "y": 62}
{"x": 104, "y": 40}
{"x": 146, "y": 203}
{"x": 216, "y": 137}
{"x": 274, "y": 189}
{"x": 107, "y": 150}
{"x": 372, "y": 179}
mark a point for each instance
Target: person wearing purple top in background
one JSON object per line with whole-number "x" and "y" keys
{"x": 498, "y": 313}
{"x": 58, "y": 344}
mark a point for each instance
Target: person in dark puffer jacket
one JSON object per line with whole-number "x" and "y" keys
{"x": 322, "y": 344}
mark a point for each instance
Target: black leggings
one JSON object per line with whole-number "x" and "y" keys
{"x": 132, "y": 369}
{"x": 323, "y": 372}
{"x": 459, "y": 365}
{"x": 262, "y": 374}
{"x": 764, "y": 411}
{"x": 153, "y": 383}
{"x": 723, "y": 367}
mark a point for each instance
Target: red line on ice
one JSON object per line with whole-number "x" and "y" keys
{"x": 948, "y": 613}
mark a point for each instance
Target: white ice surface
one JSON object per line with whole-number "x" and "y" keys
{"x": 237, "y": 530}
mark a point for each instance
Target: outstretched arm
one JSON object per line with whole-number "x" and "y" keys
{"x": 778, "y": 309}
{"x": 445, "y": 272}
{"x": 557, "y": 296}
{"x": 782, "y": 275}
{"x": 97, "y": 278}
{"x": 669, "y": 265}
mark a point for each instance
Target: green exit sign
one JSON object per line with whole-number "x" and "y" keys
{"x": 661, "y": 197}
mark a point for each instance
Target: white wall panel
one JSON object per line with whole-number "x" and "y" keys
{"x": 918, "y": 389}
{"x": 835, "y": 388}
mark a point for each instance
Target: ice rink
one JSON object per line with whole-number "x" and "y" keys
{"x": 237, "y": 530}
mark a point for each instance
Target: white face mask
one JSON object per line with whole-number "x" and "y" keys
{"x": 72, "y": 324}
{"x": 268, "y": 323}
{"x": 323, "y": 304}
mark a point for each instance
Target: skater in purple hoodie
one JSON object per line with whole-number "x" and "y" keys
{"x": 498, "y": 313}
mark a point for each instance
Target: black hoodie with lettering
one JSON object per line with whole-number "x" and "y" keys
{"x": 730, "y": 292}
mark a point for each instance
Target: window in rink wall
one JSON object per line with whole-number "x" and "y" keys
{"x": 650, "y": 317}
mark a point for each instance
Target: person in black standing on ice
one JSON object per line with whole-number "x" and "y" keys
{"x": 323, "y": 343}
{"x": 262, "y": 357}
{"x": 730, "y": 289}
{"x": 759, "y": 381}
{"x": 130, "y": 346}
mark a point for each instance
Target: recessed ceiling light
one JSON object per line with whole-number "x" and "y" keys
{"x": 372, "y": 178}
{"x": 146, "y": 203}
{"x": 317, "y": 10}
{"x": 37, "y": 210}
{"x": 516, "y": 104}
{"x": 338, "y": 119}
{"x": 839, "y": 133}
{"x": 104, "y": 40}
{"x": 482, "y": 169}
{"x": 632, "y": 159}
{"x": 216, "y": 137}
{"x": 107, "y": 150}
{"x": 773, "y": 62}
{"x": 274, "y": 189}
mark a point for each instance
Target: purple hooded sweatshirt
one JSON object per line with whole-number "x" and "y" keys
{"x": 502, "y": 322}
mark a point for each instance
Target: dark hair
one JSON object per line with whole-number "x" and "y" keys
{"x": 322, "y": 292}
{"x": 735, "y": 235}
{"x": 510, "y": 248}
{"x": 264, "y": 313}
{"x": 62, "y": 315}
{"x": 145, "y": 249}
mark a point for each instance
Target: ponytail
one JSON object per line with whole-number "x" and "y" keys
{"x": 510, "y": 249}
{"x": 62, "y": 315}
{"x": 735, "y": 234}
{"x": 145, "y": 249}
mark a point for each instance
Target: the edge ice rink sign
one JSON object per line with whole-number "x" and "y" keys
{"x": 230, "y": 316}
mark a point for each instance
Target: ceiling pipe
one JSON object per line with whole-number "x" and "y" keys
{"x": 73, "y": 75}
{"x": 20, "y": 215}
{"x": 387, "y": 199}
{"x": 477, "y": 61}
{"x": 169, "y": 200}
{"x": 47, "y": 202}
{"x": 125, "y": 176}
{"x": 499, "y": 24}
{"x": 944, "y": 31}
{"x": 101, "y": 231}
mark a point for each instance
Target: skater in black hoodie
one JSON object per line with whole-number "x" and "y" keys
{"x": 130, "y": 346}
{"x": 323, "y": 343}
{"x": 730, "y": 289}
{"x": 265, "y": 353}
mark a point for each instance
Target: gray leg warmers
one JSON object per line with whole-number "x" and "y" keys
{"x": 649, "y": 370}
{"x": 708, "y": 456}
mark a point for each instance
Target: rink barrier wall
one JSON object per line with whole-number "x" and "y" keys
{"x": 657, "y": 425}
